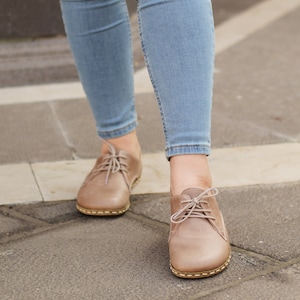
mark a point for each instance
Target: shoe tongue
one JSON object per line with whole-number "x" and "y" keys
{"x": 192, "y": 192}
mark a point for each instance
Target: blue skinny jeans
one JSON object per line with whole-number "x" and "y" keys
{"x": 178, "y": 43}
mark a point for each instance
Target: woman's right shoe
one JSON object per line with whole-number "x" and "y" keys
{"x": 106, "y": 189}
{"x": 198, "y": 242}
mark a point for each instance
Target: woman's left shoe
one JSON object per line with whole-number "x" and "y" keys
{"x": 198, "y": 242}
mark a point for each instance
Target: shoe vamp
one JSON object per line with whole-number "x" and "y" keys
{"x": 197, "y": 246}
{"x": 96, "y": 194}
{"x": 196, "y": 229}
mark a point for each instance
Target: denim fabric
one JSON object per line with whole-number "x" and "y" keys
{"x": 178, "y": 44}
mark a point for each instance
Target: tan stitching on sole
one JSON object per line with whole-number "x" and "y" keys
{"x": 91, "y": 212}
{"x": 202, "y": 274}
{"x": 134, "y": 184}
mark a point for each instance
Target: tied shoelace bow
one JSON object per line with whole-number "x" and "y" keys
{"x": 193, "y": 208}
{"x": 111, "y": 163}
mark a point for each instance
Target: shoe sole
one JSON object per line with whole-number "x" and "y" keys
{"x": 112, "y": 212}
{"x": 202, "y": 274}
{"x": 93, "y": 212}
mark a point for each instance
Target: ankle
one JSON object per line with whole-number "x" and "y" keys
{"x": 128, "y": 143}
{"x": 189, "y": 171}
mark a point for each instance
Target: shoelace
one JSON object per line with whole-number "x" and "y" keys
{"x": 111, "y": 163}
{"x": 193, "y": 208}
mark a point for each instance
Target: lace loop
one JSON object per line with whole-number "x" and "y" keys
{"x": 111, "y": 163}
{"x": 193, "y": 207}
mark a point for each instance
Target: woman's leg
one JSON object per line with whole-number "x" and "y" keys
{"x": 100, "y": 39}
{"x": 178, "y": 43}
{"x": 99, "y": 35}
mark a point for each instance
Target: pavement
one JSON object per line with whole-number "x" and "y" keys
{"x": 48, "y": 142}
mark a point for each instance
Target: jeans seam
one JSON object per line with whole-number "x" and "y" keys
{"x": 152, "y": 80}
{"x": 126, "y": 15}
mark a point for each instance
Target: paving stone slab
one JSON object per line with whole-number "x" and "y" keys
{"x": 225, "y": 9}
{"x": 18, "y": 185}
{"x": 36, "y": 18}
{"x": 284, "y": 284}
{"x": 30, "y": 133}
{"x": 262, "y": 219}
{"x": 54, "y": 212}
{"x": 61, "y": 180}
{"x": 36, "y": 61}
{"x": 30, "y": 76}
{"x": 10, "y": 225}
{"x": 154, "y": 206}
{"x": 228, "y": 131}
{"x": 108, "y": 258}
{"x": 251, "y": 85}
{"x": 79, "y": 126}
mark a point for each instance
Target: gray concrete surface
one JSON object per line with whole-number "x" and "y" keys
{"x": 19, "y": 19}
{"x": 34, "y": 18}
{"x": 50, "y": 251}
{"x": 257, "y": 87}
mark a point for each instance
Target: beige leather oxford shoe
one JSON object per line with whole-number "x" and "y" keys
{"x": 106, "y": 189}
{"x": 198, "y": 242}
